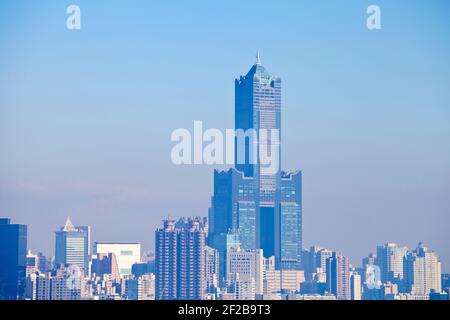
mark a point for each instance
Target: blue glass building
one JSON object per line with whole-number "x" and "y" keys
{"x": 72, "y": 246}
{"x": 262, "y": 206}
{"x": 13, "y": 260}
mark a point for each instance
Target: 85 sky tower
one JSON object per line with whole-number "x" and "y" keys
{"x": 261, "y": 206}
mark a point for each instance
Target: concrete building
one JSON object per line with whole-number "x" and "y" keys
{"x": 248, "y": 265}
{"x": 126, "y": 254}
{"x": 422, "y": 271}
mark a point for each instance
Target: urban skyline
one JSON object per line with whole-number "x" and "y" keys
{"x": 125, "y": 173}
{"x": 185, "y": 267}
{"x": 86, "y": 135}
{"x": 248, "y": 248}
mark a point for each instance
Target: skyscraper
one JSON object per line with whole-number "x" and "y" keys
{"x": 263, "y": 205}
{"x": 166, "y": 261}
{"x": 13, "y": 260}
{"x": 258, "y": 106}
{"x": 191, "y": 262}
{"x": 338, "y": 276}
{"x": 390, "y": 260}
{"x": 422, "y": 271}
{"x": 180, "y": 265}
{"x": 72, "y": 246}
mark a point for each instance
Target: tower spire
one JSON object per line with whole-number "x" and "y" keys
{"x": 258, "y": 58}
{"x": 68, "y": 226}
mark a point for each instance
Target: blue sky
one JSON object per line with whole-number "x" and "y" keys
{"x": 86, "y": 116}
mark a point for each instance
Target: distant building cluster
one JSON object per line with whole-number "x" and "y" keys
{"x": 249, "y": 248}
{"x": 185, "y": 267}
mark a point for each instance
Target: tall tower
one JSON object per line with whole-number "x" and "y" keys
{"x": 258, "y": 107}
{"x": 256, "y": 199}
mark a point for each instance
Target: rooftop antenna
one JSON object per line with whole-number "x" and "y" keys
{"x": 258, "y": 59}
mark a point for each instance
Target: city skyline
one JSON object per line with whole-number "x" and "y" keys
{"x": 76, "y": 151}
{"x": 250, "y": 247}
{"x": 184, "y": 267}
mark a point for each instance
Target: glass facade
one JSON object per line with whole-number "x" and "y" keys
{"x": 72, "y": 246}
{"x": 261, "y": 205}
{"x": 13, "y": 260}
{"x": 289, "y": 245}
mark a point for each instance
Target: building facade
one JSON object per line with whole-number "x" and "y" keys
{"x": 390, "y": 260}
{"x": 422, "y": 271}
{"x": 338, "y": 276}
{"x": 180, "y": 261}
{"x": 125, "y": 253}
{"x": 245, "y": 265}
{"x": 72, "y": 246}
{"x": 258, "y": 201}
{"x": 13, "y": 260}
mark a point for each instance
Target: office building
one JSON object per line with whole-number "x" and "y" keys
{"x": 263, "y": 206}
{"x": 248, "y": 265}
{"x": 72, "y": 246}
{"x": 13, "y": 260}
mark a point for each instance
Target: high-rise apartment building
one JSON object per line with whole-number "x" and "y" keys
{"x": 166, "y": 259}
{"x": 190, "y": 262}
{"x": 180, "y": 264}
{"x": 315, "y": 260}
{"x": 338, "y": 276}
{"x": 390, "y": 260}
{"x": 422, "y": 271}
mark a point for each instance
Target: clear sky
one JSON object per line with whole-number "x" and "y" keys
{"x": 86, "y": 116}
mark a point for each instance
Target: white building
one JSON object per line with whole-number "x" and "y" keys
{"x": 211, "y": 261}
{"x": 277, "y": 280}
{"x": 127, "y": 254}
{"x": 247, "y": 266}
{"x": 355, "y": 286}
{"x": 422, "y": 271}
